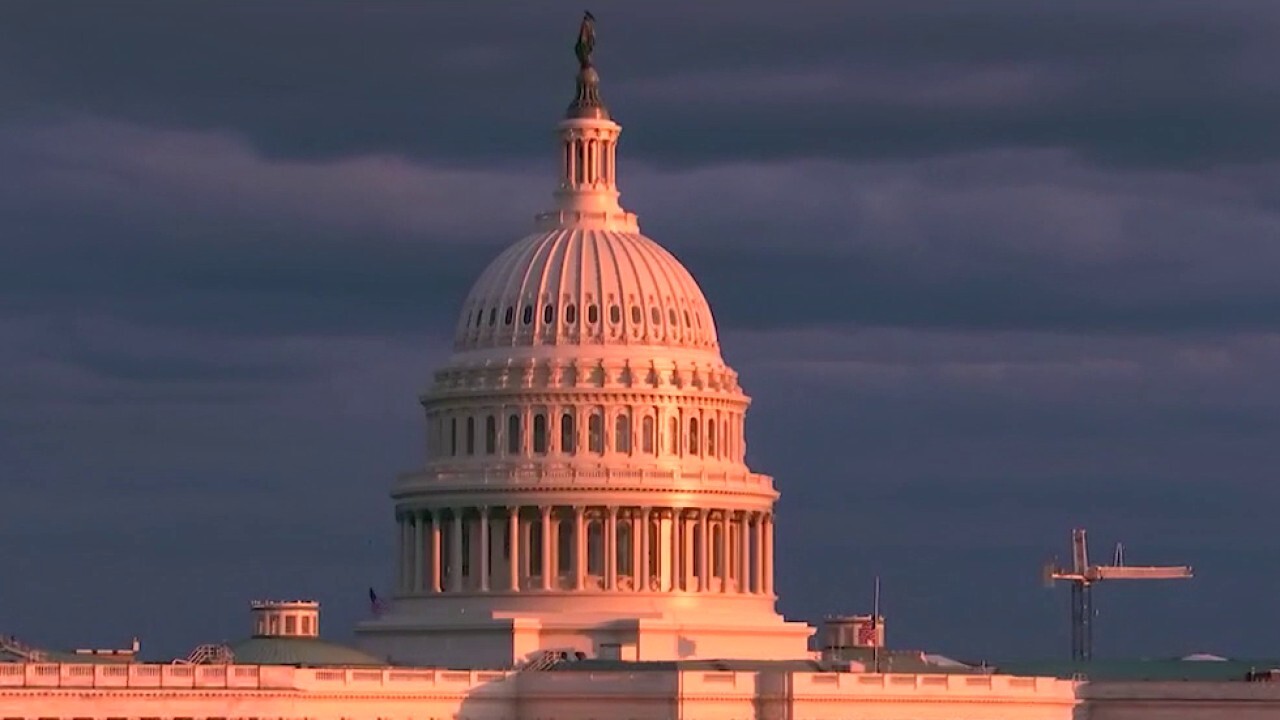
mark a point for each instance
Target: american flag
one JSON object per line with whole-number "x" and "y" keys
{"x": 375, "y": 605}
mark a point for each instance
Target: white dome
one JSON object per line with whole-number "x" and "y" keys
{"x": 576, "y": 286}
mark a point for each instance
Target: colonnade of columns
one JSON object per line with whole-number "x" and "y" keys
{"x": 553, "y": 548}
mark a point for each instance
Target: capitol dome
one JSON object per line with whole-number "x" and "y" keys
{"x": 576, "y": 286}
{"x": 585, "y": 481}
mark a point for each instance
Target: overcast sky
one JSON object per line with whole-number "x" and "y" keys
{"x": 990, "y": 270}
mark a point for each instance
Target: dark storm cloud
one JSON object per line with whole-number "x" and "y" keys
{"x": 986, "y": 268}
{"x": 1163, "y": 83}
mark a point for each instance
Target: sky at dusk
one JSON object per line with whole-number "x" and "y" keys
{"x": 990, "y": 270}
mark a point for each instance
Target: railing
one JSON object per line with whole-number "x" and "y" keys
{"x": 482, "y": 476}
{"x": 137, "y": 675}
{"x": 13, "y": 645}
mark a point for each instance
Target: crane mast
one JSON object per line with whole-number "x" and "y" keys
{"x": 1084, "y": 576}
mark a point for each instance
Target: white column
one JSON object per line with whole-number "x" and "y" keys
{"x": 417, "y": 558}
{"x": 758, "y": 545}
{"x": 547, "y": 548}
{"x": 410, "y": 552}
{"x": 436, "y": 562}
{"x": 579, "y": 547}
{"x": 688, "y": 559}
{"x": 666, "y": 550}
{"x": 611, "y": 548}
{"x": 768, "y": 554}
{"x": 483, "y": 565}
{"x": 704, "y": 552}
{"x": 744, "y": 554}
{"x": 402, "y": 575}
{"x": 513, "y": 542}
{"x": 455, "y": 553}
{"x": 640, "y": 549}
{"x": 723, "y": 545}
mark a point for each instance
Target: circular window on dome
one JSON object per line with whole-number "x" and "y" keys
{"x": 493, "y": 316}
{"x": 549, "y": 314}
{"x": 636, "y": 315}
{"x": 571, "y": 313}
{"x": 656, "y": 315}
{"x": 527, "y": 317}
{"x": 615, "y": 314}
{"x": 671, "y": 317}
{"x": 593, "y": 314}
{"x": 511, "y": 314}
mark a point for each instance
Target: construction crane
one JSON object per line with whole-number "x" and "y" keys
{"x": 1084, "y": 576}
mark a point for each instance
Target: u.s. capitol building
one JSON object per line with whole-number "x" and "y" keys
{"x": 586, "y": 539}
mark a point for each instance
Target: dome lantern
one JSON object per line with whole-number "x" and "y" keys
{"x": 587, "y": 195}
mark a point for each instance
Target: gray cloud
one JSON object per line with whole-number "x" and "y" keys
{"x": 990, "y": 270}
{"x": 1147, "y": 83}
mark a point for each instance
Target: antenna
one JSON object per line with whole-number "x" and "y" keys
{"x": 875, "y": 628}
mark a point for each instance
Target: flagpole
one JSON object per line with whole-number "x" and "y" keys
{"x": 875, "y": 628}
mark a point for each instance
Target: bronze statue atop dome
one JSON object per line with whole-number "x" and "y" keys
{"x": 586, "y": 40}
{"x": 586, "y": 102}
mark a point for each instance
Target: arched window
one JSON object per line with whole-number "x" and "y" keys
{"x": 534, "y": 549}
{"x": 548, "y": 314}
{"x": 571, "y": 314}
{"x": 625, "y": 555}
{"x": 471, "y": 436}
{"x": 717, "y": 550}
{"x": 615, "y": 314}
{"x": 693, "y": 436}
{"x": 595, "y": 547}
{"x": 671, "y": 317}
{"x": 595, "y": 432}
{"x": 686, "y": 319}
{"x": 566, "y": 433}
{"x": 513, "y": 435}
{"x": 527, "y": 318}
{"x": 564, "y": 547}
{"x": 593, "y": 314}
{"x": 493, "y": 316}
{"x": 655, "y": 315}
{"x": 511, "y": 314}
{"x": 622, "y": 433}
{"x": 540, "y": 434}
{"x": 646, "y": 435}
{"x": 673, "y": 437}
{"x": 453, "y": 436}
{"x": 636, "y": 315}
{"x": 490, "y": 435}
{"x": 711, "y": 437}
